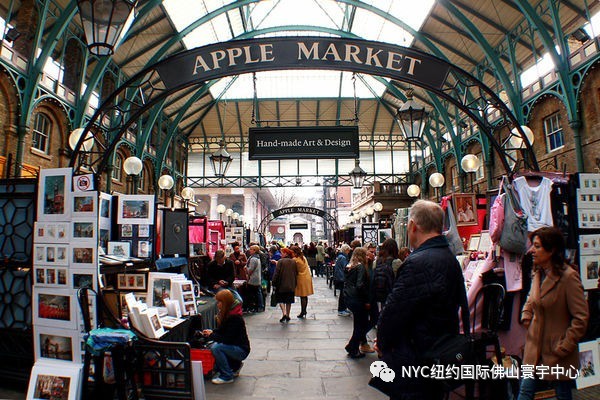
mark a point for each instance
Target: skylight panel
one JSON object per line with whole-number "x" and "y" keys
{"x": 297, "y": 33}
{"x": 267, "y": 14}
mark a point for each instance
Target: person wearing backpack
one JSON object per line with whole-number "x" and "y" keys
{"x": 383, "y": 275}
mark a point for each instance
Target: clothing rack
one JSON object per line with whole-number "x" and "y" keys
{"x": 555, "y": 177}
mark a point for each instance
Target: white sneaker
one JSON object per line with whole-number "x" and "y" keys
{"x": 344, "y": 313}
{"x": 221, "y": 381}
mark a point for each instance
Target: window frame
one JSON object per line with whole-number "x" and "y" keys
{"x": 117, "y": 171}
{"x": 557, "y": 129}
{"x": 47, "y": 135}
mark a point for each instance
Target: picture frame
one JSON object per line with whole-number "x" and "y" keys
{"x": 465, "y": 209}
{"x": 151, "y": 323}
{"x": 131, "y": 281}
{"x": 84, "y": 229}
{"x": 56, "y": 344}
{"x": 54, "y": 194}
{"x": 135, "y": 209}
{"x": 588, "y": 269}
{"x": 50, "y": 254}
{"x": 54, "y": 307}
{"x": 126, "y": 230}
{"x": 105, "y": 207}
{"x": 44, "y": 276}
{"x": 159, "y": 288}
{"x": 485, "y": 242}
{"x": 588, "y": 218}
{"x": 84, "y": 256}
{"x": 144, "y": 249}
{"x": 588, "y": 198}
{"x": 589, "y": 361}
{"x": 589, "y": 244}
{"x": 143, "y": 231}
{"x": 474, "y": 241}
{"x": 83, "y": 277}
{"x": 51, "y": 232}
{"x": 85, "y": 204}
{"x": 122, "y": 249}
{"x": 54, "y": 379}
{"x": 103, "y": 239}
{"x": 589, "y": 181}
{"x": 383, "y": 234}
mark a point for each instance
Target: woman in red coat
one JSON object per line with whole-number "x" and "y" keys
{"x": 555, "y": 314}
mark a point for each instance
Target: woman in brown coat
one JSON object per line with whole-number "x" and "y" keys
{"x": 304, "y": 285}
{"x": 284, "y": 282}
{"x": 556, "y": 315}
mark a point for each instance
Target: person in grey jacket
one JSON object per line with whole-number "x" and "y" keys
{"x": 339, "y": 276}
{"x": 255, "y": 279}
{"x": 284, "y": 282}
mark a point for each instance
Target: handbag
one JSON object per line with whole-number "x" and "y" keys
{"x": 514, "y": 233}
{"x": 451, "y": 232}
{"x": 273, "y": 298}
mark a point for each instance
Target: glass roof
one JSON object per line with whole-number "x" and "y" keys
{"x": 303, "y": 14}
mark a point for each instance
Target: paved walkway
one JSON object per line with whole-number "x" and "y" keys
{"x": 303, "y": 359}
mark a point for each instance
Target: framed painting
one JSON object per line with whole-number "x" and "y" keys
{"x": 474, "y": 241}
{"x": 104, "y": 210}
{"x": 131, "y": 281}
{"x": 57, "y": 344}
{"x": 54, "y": 308}
{"x": 384, "y": 234}
{"x": 589, "y": 244}
{"x": 83, "y": 256}
{"x": 122, "y": 249}
{"x": 85, "y": 204}
{"x": 159, "y": 288}
{"x": 54, "y": 194}
{"x": 50, "y": 254}
{"x": 589, "y": 362}
{"x": 84, "y": 230}
{"x": 51, "y": 232}
{"x": 485, "y": 243}
{"x": 52, "y": 379}
{"x": 588, "y": 270}
{"x": 465, "y": 209}
{"x": 135, "y": 209}
{"x": 83, "y": 277}
{"x": 51, "y": 276}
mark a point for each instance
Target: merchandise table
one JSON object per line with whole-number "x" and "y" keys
{"x": 205, "y": 319}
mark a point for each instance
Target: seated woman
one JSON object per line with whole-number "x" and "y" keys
{"x": 231, "y": 344}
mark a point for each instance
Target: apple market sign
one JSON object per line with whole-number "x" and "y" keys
{"x": 253, "y": 55}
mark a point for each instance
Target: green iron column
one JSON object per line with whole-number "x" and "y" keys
{"x": 576, "y": 126}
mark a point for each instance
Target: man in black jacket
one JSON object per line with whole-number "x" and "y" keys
{"x": 220, "y": 272}
{"x": 423, "y": 304}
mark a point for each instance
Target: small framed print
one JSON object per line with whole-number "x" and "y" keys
{"x": 126, "y": 230}
{"x": 54, "y": 307}
{"x": 50, "y": 254}
{"x": 589, "y": 271}
{"x": 589, "y": 181}
{"x": 485, "y": 242}
{"x": 54, "y": 379}
{"x": 159, "y": 288}
{"x": 83, "y": 230}
{"x": 51, "y": 276}
{"x": 588, "y": 218}
{"x": 83, "y": 256}
{"x": 588, "y": 199}
{"x": 131, "y": 281}
{"x": 589, "y": 244}
{"x": 383, "y": 235}
{"x": 135, "y": 209}
{"x": 51, "y": 232}
{"x": 56, "y": 344}
{"x": 465, "y": 209}
{"x": 85, "y": 204}
{"x": 122, "y": 249}
{"x": 474, "y": 242}
{"x": 83, "y": 277}
{"x": 103, "y": 238}
{"x": 144, "y": 249}
{"x": 105, "y": 206}
{"x": 54, "y": 194}
{"x": 589, "y": 362}
{"x": 143, "y": 231}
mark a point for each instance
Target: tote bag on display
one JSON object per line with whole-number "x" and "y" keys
{"x": 514, "y": 232}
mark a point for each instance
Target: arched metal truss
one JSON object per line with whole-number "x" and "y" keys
{"x": 262, "y": 227}
{"x": 458, "y": 87}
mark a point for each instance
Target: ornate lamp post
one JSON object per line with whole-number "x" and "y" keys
{"x": 436, "y": 180}
{"x": 132, "y": 167}
{"x": 357, "y": 175}
{"x": 103, "y": 22}
{"x": 165, "y": 183}
{"x": 220, "y": 160}
{"x": 470, "y": 164}
{"x": 413, "y": 190}
{"x": 187, "y": 194}
{"x": 220, "y": 210}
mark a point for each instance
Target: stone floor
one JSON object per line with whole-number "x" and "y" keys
{"x": 302, "y": 359}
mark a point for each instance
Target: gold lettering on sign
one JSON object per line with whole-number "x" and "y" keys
{"x": 373, "y": 57}
{"x": 232, "y": 54}
{"x": 303, "y": 50}
{"x": 200, "y": 63}
{"x": 332, "y": 51}
{"x": 352, "y": 52}
{"x": 266, "y": 51}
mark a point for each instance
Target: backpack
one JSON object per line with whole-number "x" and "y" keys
{"x": 264, "y": 266}
{"x": 383, "y": 280}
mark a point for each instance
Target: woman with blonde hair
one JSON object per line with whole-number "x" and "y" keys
{"x": 356, "y": 295}
{"x": 231, "y": 344}
{"x": 304, "y": 285}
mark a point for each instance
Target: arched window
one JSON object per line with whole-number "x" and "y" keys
{"x": 118, "y": 168}
{"x": 42, "y": 127}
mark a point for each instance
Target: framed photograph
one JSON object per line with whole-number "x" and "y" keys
{"x": 384, "y": 234}
{"x": 143, "y": 231}
{"x": 474, "y": 242}
{"x": 587, "y": 198}
{"x": 51, "y": 276}
{"x": 589, "y": 244}
{"x": 122, "y": 249}
{"x": 85, "y": 204}
{"x": 589, "y": 181}
{"x": 589, "y": 362}
{"x": 135, "y": 209}
{"x": 144, "y": 249}
{"x": 54, "y": 307}
{"x": 126, "y": 230}
{"x": 589, "y": 218}
{"x": 131, "y": 281}
{"x": 83, "y": 277}
{"x": 465, "y": 209}
{"x": 57, "y": 344}
{"x": 83, "y": 256}
{"x": 105, "y": 206}
{"x": 54, "y": 194}
{"x": 103, "y": 238}
{"x": 51, "y": 232}
{"x": 83, "y": 230}
{"x": 588, "y": 269}
{"x": 159, "y": 288}
{"x": 52, "y": 379}
{"x": 151, "y": 323}
{"x": 50, "y": 254}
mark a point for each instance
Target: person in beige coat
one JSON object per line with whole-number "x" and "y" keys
{"x": 555, "y": 314}
{"x": 304, "y": 285}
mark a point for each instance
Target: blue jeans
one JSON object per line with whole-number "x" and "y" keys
{"x": 528, "y": 386}
{"x": 223, "y": 353}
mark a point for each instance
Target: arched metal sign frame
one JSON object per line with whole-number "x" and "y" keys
{"x": 199, "y": 66}
{"x": 262, "y": 227}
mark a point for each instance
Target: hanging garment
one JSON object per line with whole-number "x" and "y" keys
{"x": 535, "y": 201}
